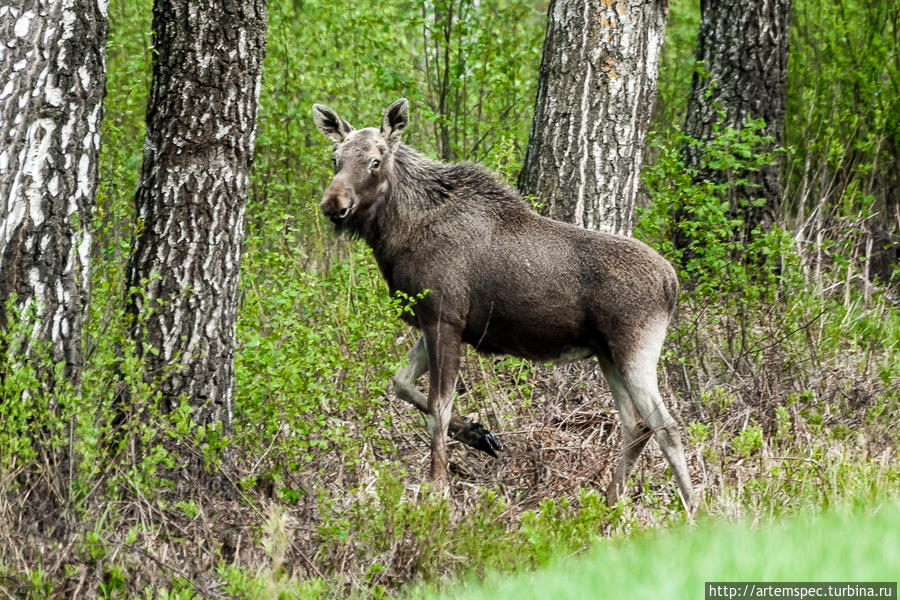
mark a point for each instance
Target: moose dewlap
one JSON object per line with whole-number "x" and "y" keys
{"x": 504, "y": 280}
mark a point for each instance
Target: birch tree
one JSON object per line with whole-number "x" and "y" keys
{"x": 52, "y": 61}
{"x": 742, "y": 58}
{"x": 186, "y": 251}
{"x": 596, "y": 89}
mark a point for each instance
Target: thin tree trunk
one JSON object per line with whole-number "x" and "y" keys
{"x": 742, "y": 57}
{"x": 185, "y": 258}
{"x": 595, "y": 95}
{"x": 52, "y": 61}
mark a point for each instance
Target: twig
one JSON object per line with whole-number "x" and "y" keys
{"x": 183, "y": 574}
{"x": 5, "y": 591}
{"x": 797, "y": 458}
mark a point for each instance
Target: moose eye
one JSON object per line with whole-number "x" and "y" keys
{"x": 375, "y": 163}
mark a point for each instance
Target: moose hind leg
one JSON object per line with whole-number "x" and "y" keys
{"x": 635, "y": 434}
{"x": 639, "y": 376}
{"x": 406, "y": 377}
{"x": 650, "y": 406}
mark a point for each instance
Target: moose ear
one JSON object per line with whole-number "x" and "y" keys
{"x": 395, "y": 120}
{"x": 331, "y": 124}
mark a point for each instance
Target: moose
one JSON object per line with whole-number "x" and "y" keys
{"x": 505, "y": 280}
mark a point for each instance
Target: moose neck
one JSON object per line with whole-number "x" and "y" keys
{"x": 417, "y": 193}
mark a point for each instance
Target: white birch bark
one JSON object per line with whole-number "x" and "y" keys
{"x": 595, "y": 96}
{"x": 52, "y": 83}
{"x": 186, "y": 251}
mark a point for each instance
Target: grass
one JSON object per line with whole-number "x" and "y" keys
{"x": 859, "y": 543}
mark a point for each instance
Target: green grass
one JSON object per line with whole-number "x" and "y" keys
{"x": 851, "y": 544}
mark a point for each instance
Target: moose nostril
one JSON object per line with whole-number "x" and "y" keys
{"x": 329, "y": 206}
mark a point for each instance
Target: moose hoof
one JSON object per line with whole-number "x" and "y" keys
{"x": 476, "y": 436}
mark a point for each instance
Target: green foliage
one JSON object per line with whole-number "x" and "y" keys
{"x": 307, "y": 381}
{"x": 748, "y": 441}
{"x": 393, "y": 530}
{"x": 240, "y": 583}
{"x": 22, "y": 420}
{"x": 479, "y": 61}
{"x": 844, "y": 97}
{"x": 128, "y": 75}
{"x": 719, "y": 260}
{"x": 698, "y": 432}
{"x": 400, "y": 532}
{"x": 560, "y": 528}
{"x": 676, "y": 64}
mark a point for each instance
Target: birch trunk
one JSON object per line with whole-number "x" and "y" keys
{"x": 595, "y": 95}
{"x": 52, "y": 61}
{"x": 186, "y": 251}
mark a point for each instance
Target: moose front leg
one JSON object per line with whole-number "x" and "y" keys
{"x": 468, "y": 432}
{"x": 443, "y": 343}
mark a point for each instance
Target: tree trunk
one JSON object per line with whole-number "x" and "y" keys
{"x": 53, "y": 81}
{"x": 595, "y": 94}
{"x": 742, "y": 58}
{"x": 185, "y": 256}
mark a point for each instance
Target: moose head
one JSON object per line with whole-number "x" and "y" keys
{"x": 362, "y": 159}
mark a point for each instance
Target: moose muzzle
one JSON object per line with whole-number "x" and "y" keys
{"x": 339, "y": 201}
